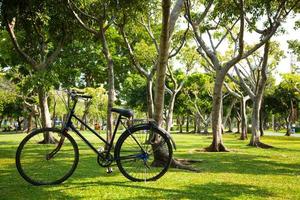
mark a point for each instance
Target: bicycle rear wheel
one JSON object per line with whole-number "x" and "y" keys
{"x": 143, "y": 153}
{"x": 47, "y": 156}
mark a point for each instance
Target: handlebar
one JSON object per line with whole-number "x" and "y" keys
{"x": 78, "y": 94}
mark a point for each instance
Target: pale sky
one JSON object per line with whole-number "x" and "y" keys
{"x": 291, "y": 34}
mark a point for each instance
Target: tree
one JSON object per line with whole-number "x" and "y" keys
{"x": 237, "y": 93}
{"x": 99, "y": 17}
{"x": 144, "y": 54}
{"x": 219, "y": 27}
{"x": 287, "y": 99}
{"x": 254, "y": 85}
{"x": 38, "y": 34}
{"x": 169, "y": 19}
{"x": 133, "y": 92}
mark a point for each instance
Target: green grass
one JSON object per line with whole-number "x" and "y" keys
{"x": 243, "y": 173}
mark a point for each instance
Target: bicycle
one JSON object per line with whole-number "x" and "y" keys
{"x": 49, "y": 156}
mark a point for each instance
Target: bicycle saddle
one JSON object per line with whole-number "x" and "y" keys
{"x": 123, "y": 112}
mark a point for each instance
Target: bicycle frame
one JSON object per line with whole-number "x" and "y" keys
{"x": 69, "y": 125}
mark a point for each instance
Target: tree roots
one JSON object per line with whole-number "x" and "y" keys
{"x": 184, "y": 164}
{"x": 260, "y": 145}
{"x": 216, "y": 148}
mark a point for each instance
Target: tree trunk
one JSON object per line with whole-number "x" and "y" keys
{"x": 54, "y": 111}
{"x": 150, "y": 105}
{"x": 198, "y": 124}
{"x": 229, "y": 125}
{"x": 111, "y": 83}
{"x": 188, "y": 123}
{"x": 238, "y": 124}
{"x": 170, "y": 111}
{"x": 244, "y": 124}
{"x": 87, "y": 105}
{"x": 1, "y": 119}
{"x": 217, "y": 143}
{"x": 288, "y": 126}
{"x": 162, "y": 62}
{"x": 19, "y": 124}
{"x": 45, "y": 115}
{"x": 29, "y": 126}
{"x": 255, "y": 138}
{"x": 181, "y": 121}
{"x": 261, "y": 123}
{"x": 257, "y": 102}
{"x": 228, "y": 113}
{"x": 195, "y": 124}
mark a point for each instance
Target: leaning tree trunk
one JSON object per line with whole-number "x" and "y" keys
{"x": 217, "y": 143}
{"x": 45, "y": 115}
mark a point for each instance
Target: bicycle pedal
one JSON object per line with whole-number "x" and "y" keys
{"x": 109, "y": 170}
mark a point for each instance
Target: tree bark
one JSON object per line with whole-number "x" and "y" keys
{"x": 255, "y": 138}
{"x": 45, "y": 115}
{"x": 261, "y": 123}
{"x": 181, "y": 121}
{"x": 228, "y": 113}
{"x": 87, "y": 105}
{"x": 170, "y": 111}
{"x": 244, "y": 123}
{"x": 217, "y": 143}
{"x": 238, "y": 124}
{"x": 187, "y": 123}
{"x": 257, "y": 101}
{"x": 150, "y": 104}
{"x": 111, "y": 83}
{"x": 162, "y": 62}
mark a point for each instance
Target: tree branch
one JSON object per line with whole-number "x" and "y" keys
{"x": 244, "y": 84}
{"x": 182, "y": 42}
{"x": 149, "y": 31}
{"x": 85, "y": 26}
{"x": 10, "y": 28}
{"x": 135, "y": 62}
{"x": 174, "y": 15}
{"x": 233, "y": 61}
{"x": 72, "y": 4}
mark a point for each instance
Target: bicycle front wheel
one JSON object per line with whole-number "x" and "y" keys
{"x": 47, "y": 156}
{"x": 143, "y": 153}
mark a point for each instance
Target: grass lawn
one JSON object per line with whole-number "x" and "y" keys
{"x": 243, "y": 173}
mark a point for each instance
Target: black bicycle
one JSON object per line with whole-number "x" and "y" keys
{"x": 49, "y": 156}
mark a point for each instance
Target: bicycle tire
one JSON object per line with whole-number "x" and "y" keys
{"x": 144, "y": 163}
{"x": 33, "y": 156}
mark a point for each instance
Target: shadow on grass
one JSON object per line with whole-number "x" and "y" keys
{"x": 244, "y": 164}
{"x": 216, "y": 191}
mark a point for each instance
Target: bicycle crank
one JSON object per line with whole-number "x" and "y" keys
{"x": 105, "y": 160}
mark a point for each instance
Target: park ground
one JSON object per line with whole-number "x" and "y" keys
{"x": 243, "y": 173}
